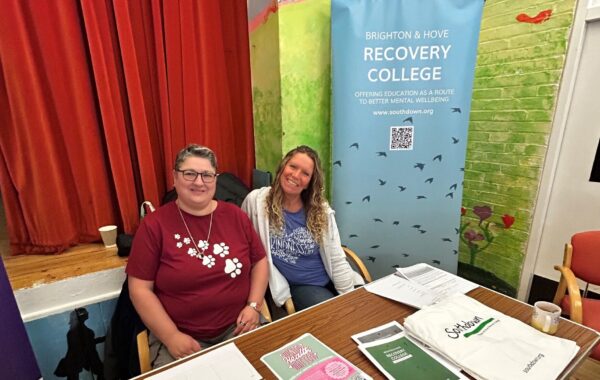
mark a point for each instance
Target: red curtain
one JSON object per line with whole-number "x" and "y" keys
{"x": 97, "y": 97}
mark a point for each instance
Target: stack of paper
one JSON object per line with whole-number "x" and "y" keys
{"x": 226, "y": 362}
{"x": 488, "y": 344}
{"x": 397, "y": 357}
{"x": 420, "y": 285}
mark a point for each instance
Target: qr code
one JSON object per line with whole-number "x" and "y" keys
{"x": 401, "y": 138}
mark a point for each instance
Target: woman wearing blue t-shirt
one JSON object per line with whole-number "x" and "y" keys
{"x": 297, "y": 226}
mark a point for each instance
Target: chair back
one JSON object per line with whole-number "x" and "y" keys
{"x": 585, "y": 263}
{"x": 261, "y": 178}
{"x": 357, "y": 263}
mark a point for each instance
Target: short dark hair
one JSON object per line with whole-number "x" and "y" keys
{"x": 195, "y": 150}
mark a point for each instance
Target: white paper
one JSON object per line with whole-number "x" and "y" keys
{"x": 402, "y": 290}
{"x": 223, "y": 363}
{"x": 441, "y": 282}
{"x": 420, "y": 285}
{"x": 379, "y": 332}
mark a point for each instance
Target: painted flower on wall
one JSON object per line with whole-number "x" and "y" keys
{"x": 508, "y": 220}
{"x": 479, "y": 237}
{"x": 483, "y": 212}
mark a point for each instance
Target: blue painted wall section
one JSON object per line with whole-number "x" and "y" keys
{"x": 49, "y": 337}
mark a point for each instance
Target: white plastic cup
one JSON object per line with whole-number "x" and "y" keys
{"x": 109, "y": 235}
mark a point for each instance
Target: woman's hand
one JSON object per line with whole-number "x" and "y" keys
{"x": 158, "y": 321}
{"x": 181, "y": 345}
{"x": 247, "y": 320}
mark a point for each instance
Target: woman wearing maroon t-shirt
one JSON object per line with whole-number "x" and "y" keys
{"x": 197, "y": 269}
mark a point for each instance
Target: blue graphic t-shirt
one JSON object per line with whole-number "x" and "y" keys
{"x": 296, "y": 254}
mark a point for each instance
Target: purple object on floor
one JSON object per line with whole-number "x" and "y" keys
{"x": 17, "y": 360}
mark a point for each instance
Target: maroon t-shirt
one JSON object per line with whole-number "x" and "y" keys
{"x": 203, "y": 296}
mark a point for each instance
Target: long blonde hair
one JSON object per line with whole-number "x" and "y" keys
{"x": 313, "y": 198}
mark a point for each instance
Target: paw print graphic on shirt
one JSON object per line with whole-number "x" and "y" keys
{"x": 221, "y": 249}
{"x": 233, "y": 267}
{"x": 187, "y": 240}
{"x": 209, "y": 261}
{"x": 177, "y": 237}
{"x": 192, "y": 252}
{"x": 203, "y": 245}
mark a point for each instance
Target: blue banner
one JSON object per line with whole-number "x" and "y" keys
{"x": 402, "y": 81}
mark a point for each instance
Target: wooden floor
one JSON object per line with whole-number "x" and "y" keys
{"x": 26, "y": 271}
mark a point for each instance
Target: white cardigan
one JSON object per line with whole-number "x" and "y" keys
{"x": 334, "y": 259}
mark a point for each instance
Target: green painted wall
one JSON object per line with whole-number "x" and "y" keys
{"x": 291, "y": 82}
{"x": 266, "y": 93}
{"x": 519, "y": 66}
{"x": 305, "y": 80}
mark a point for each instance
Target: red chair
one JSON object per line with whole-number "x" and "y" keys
{"x": 581, "y": 261}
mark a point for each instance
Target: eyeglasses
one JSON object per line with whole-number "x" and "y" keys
{"x": 191, "y": 175}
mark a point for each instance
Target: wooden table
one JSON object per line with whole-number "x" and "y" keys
{"x": 334, "y": 321}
